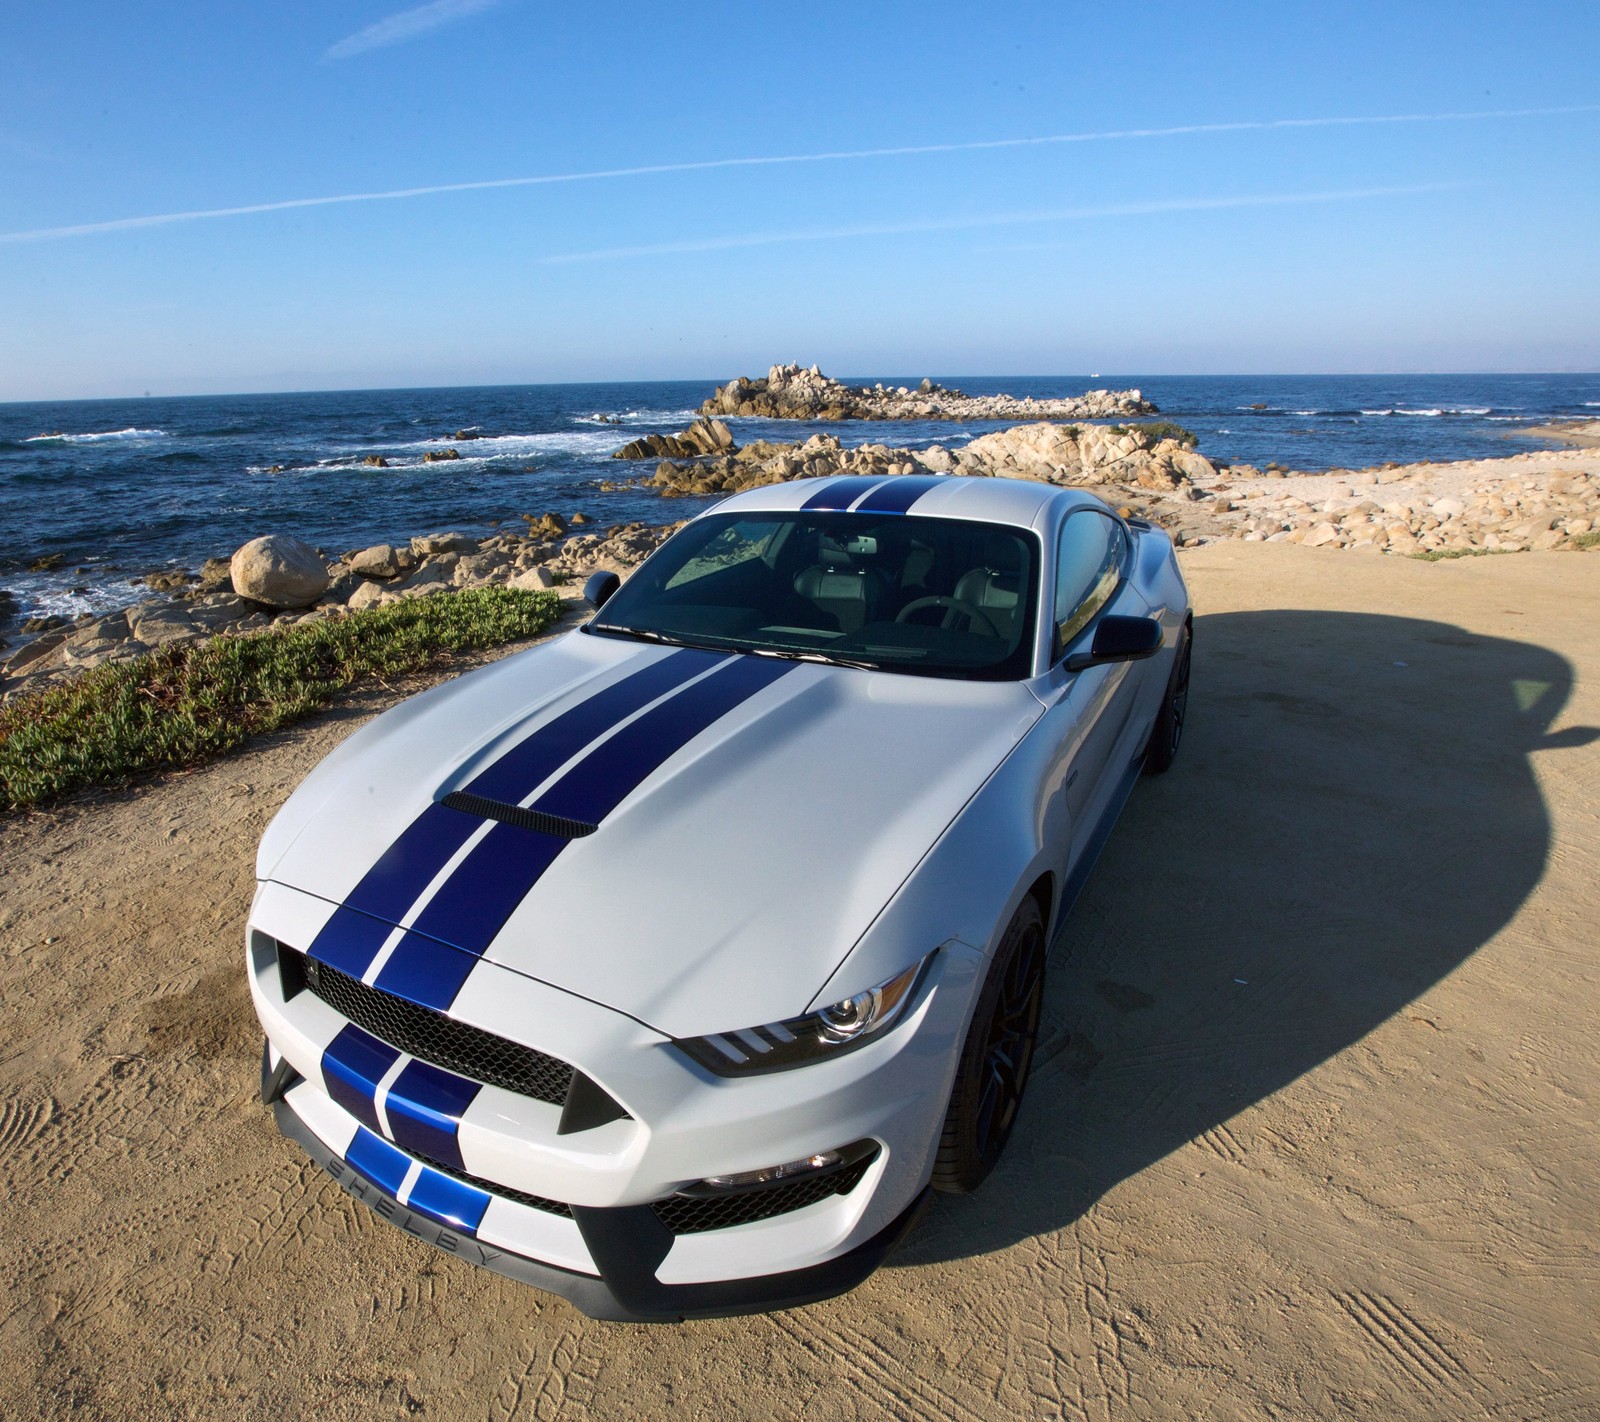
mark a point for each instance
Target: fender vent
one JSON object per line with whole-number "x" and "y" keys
{"x": 488, "y": 809}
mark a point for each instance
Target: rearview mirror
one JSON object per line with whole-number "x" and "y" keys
{"x": 600, "y": 587}
{"x": 1119, "y": 639}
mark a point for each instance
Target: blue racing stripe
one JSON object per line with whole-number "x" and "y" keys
{"x": 448, "y": 1201}
{"x": 426, "y": 971}
{"x": 406, "y": 868}
{"x": 379, "y": 1161}
{"x": 473, "y": 905}
{"x": 841, "y": 493}
{"x": 424, "y": 1107}
{"x": 389, "y": 889}
{"x": 899, "y": 493}
{"x": 349, "y": 941}
{"x": 526, "y": 765}
{"x": 598, "y": 783}
{"x": 353, "y": 1064}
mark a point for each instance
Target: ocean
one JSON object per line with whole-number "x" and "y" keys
{"x": 115, "y": 489}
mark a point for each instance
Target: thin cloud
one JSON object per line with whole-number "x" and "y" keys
{"x": 123, "y": 224}
{"x": 993, "y": 219}
{"x": 407, "y": 25}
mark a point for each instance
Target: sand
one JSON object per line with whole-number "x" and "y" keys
{"x": 1312, "y": 1133}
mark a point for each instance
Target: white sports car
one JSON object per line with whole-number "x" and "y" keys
{"x": 668, "y": 965}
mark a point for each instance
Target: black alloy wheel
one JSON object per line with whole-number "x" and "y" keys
{"x": 1167, "y": 732}
{"x": 995, "y": 1060}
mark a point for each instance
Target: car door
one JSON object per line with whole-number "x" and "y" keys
{"x": 1090, "y": 710}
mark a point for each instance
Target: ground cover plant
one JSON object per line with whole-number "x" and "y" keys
{"x": 184, "y": 704}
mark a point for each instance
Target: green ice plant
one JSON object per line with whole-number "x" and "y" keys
{"x": 185, "y": 704}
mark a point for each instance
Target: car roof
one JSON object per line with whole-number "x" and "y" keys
{"x": 1019, "y": 503}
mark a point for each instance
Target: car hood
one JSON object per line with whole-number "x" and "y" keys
{"x": 752, "y": 820}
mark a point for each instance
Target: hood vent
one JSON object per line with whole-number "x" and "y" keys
{"x": 488, "y": 809}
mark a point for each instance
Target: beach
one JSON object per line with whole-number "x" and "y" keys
{"x": 1309, "y": 1135}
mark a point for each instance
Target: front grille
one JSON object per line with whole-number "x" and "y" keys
{"x": 689, "y": 1214}
{"x": 422, "y": 1032}
{"x": 505, "y": 1192}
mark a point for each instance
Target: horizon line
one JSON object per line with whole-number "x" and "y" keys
{"x": 715, "y": 381}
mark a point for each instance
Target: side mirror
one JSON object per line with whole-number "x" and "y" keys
{"x": 600, "y": 587}
{"x": 1119, "y": 639}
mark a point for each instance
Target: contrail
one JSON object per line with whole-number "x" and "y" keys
{"x": 998, "y": 219}
{"x": 163, "y": 219}
{"x": 408, "y": 24}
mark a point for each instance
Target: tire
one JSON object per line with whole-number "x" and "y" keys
{"x": 993, "y": 1071}
{"x": 1167, "y": 732}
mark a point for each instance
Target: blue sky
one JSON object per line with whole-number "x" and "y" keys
{"x": 1220, "y": 232}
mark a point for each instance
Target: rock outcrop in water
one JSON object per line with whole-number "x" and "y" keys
{"x": 795, "y": 392}
{"x": 702, "y": 437}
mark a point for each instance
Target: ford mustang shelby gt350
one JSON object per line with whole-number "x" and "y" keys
{"x": 668, "y": 965}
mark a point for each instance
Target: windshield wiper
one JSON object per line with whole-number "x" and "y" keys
{"x": 644, "y": 634}
{"x": 825, "y": 658}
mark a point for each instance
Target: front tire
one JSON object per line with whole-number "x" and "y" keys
{"x": 995, "y": 1058}
{"x": 1167, "y": 733}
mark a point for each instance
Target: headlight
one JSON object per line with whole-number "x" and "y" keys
{"x": 817, "y": 1036}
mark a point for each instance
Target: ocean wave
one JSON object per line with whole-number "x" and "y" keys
{"x": 94, "y": 436}
{"x": 1435, "y": 412}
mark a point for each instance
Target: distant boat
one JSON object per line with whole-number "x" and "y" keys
{"x": 1094, "y": 375}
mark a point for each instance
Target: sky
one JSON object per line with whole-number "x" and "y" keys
{"x": 198, "y": 198}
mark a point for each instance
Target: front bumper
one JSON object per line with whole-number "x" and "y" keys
{"x": 484, "y": 1181}
{"x": 627, "y": 1244}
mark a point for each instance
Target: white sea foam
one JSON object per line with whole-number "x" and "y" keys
{"x": 95, "y": 436}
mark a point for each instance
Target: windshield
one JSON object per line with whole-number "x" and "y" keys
{"x": 935, "y": 597}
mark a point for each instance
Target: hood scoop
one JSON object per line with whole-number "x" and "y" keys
{"x": 485, "y": 808}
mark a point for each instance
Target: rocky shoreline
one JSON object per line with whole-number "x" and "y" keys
{"x": 796, "y": 392}
{"x": 1544, "y": 500}
{"x": 276, "y": 580}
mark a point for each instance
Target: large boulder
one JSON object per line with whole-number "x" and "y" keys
{"x": 279, "y": 570}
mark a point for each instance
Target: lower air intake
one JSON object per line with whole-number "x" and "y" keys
{"x": 695, "y": 1214}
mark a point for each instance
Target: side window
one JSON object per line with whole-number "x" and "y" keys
{"x": 1089, "y": 558}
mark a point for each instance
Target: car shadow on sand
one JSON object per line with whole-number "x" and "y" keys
{"x": 1352, "y": 816}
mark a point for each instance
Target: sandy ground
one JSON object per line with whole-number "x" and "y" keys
{"x": 1312, "y": 1134}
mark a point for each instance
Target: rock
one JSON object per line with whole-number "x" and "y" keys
{"x": 33, "y": 653}
{"x": 428, "y": 545}
{"x": 279, "y": 570}
{"x": 581, "y": 517}
{"x": 550, "y": 525}
{"x": 8, "y": 604}
{"x": 369, "y": 595}
{"x": 536, "y": 579}
{"x": 377, "y": 461}
{"x": 51, "y": 622}
{"x": 48, "y": 563}
{"x": 440, "y": 456}
{"x": 791, "y": 392}
{"x": 702, "y": 437}
{"x": 154, "y": 623}
{"x": 215, "y": 573}
{"x": 478, "y": 568}
{"x": 1319, "y": 534}
{"x": 379, "y": 561}
{"x": 1447, "y": 507}
{"x": 467, "y": 434}
{"x": 169, "y": 579}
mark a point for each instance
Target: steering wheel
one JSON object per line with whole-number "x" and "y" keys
{"x": 954, "y": 607}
